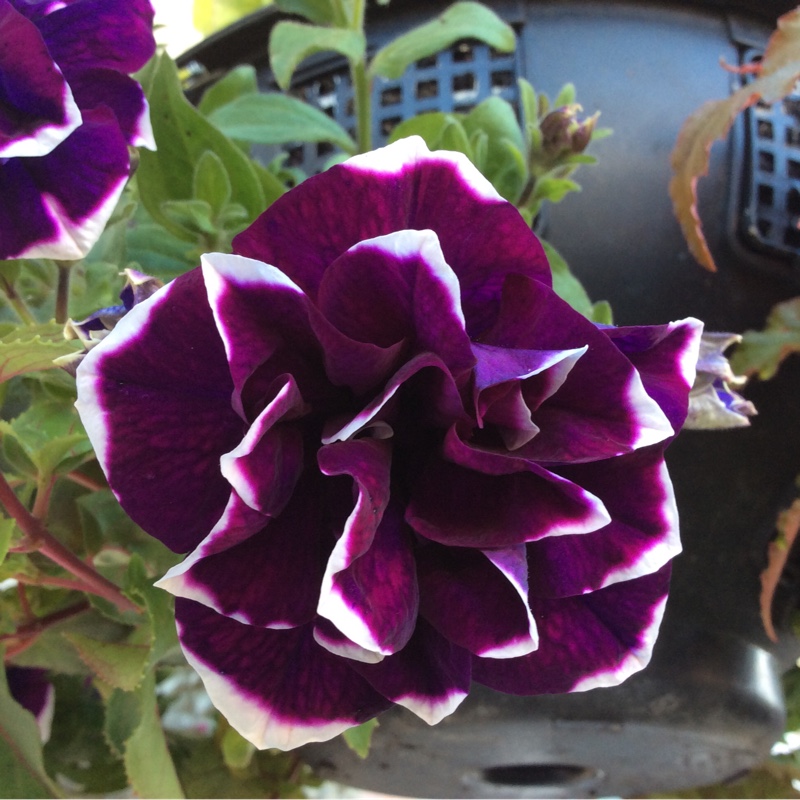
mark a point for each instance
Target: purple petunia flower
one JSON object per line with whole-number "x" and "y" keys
{"x": 32, "y": 689}
{"x": 68, "y": 111}
{"x": 399, "y": 461}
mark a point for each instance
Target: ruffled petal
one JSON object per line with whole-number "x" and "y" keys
{"x": 478, "y": 600}
{"x": 587, "y": 641}
{"x": 276, "y": 688}
{"x": 602, "y": 408}
{"x": 398, "y": 288}
{"x": 271, "y": 576}
{"x": 369, "y": 591}
{"x": 50, "y": 209}
{"x": 401, "y": 187}
{"x": 37, "y": 109}
{"x": 429, "y": 676}
{"x": 100, "y": 34}
{"x": 327, "y": 635}
{"x": 120, "y": 93}
{"x": 641, "y": 537}
{"x": 155, "y": 401}
{"x": 665, "y": 357}
{"x": 264, "y": 467}
{"x": 480, "y": 498}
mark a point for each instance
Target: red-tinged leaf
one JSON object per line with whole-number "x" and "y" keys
{"x": 788, "y": 525}
{"x": 778, "y": 73}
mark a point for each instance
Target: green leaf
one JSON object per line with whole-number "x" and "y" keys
{"x": 320, "y": 12}
{"x": 359, "y": 738}
{"x": 277, "y": 119}
{"x": 239, "y": 81}
{"x": 566, "y": 96}
{"x": 430, "y": 126}
{"x": 21, "y": 763}
{"x": 211, "y": 182}
{"x": 124, "y": 711}
{"x": 119, "y": 664}
{"x": 565, "y": 284}
{"x": 778, "y": 74}
{"x": 31, "y": 348}
{"x": 237, "y": 752}
{"x": 463, "y": 20}
{"x": 762, "y": 352}
{"x": 212, "y": 15}
{"x": 291, "y": 42}
{"x": 602, "y": 313}
{"x": 148, "y": 762}
{"x": 6, "y": 531}
{"x": 183, "y": 135}
{"x": 554, "y": 189}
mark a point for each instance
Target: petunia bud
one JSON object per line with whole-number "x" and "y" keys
{"x": 713, "y": 403}
{"x": 563, "y": 133}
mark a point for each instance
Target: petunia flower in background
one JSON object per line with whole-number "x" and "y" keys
{"x": 68, "y": 112}
{"x": 398, "y": 461}
{"x": 32, "y": 689}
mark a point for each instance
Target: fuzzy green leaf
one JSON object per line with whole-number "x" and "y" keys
{"x": 211, "y": 182}
{"x": 291, "y": 42}
{"x": 119, "y": 664}
{"x": 277, "y": 119}
{"x": 31, "y": 348}
{"x": 183, "y": 135}
{"x": 761, "y": 352}
{"x": 148, "y": 762}
{"x": 320, "y": 12}
{"x": 565, "y": 284}
{"x": 239, "y": 81}
{"x": 463, "y": 20}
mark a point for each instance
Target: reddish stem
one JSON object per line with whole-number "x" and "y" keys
{"x": 42, "y": 540}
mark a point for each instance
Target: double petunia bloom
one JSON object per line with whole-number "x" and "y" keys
{"x": 397, "y": 460}
{"x": 68, "y": 112}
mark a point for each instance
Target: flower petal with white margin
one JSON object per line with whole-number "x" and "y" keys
{"x": 602, "y": 409}
{"x": 587, "y": 641}
{"x": 642, "y": 536}
{"x": 478, "y": 600}
{"x": 37, "y": 109}
{"x": 264, "y": 467}
{"x": 327, "y": 635}
{"x": 276, "y": 688}
{"x": 154, "y": 397}
{"x": 446, "y": 403}
{"x": 396, "y": 288}
{"x": 257, "y": 309}
{"x": 483, "y": 498}
{"x": 369, "y": 590}
{"x": 429, "y": 676}
{"x": 401, "y": 187}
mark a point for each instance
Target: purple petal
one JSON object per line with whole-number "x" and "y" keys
{"x": 327, "y": 635}
{"x": 262, "y": 318}
{"x": 640, "y": 539}
{"x": 369, "y": 591}
{"x": 429, "y": 676}
{"x": 99, "y": 34}
{"x": 276, "y": 688}
{"x": 155, "y": 400}
{"x": 478, "y": 600}
{"x": 602, "y": 409}
{"x": 510, "y": 384}
{"x": 479, "y": 498}
{"x": 264, "y": 467}
{"x": 269, "y": 577}
{"x": 666, "y": 359}
{"x": 587, "y": 641}
{"x": 37, "y": 109}
{"x": 398, "y": 288}
{"x": 32, "y": 689}
{"x": 56, "y": 206}
{"x": 397, "y": 188}
{"x": 95, "y": 87}
{"x": 442, "y": 405}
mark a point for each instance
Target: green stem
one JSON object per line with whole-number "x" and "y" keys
{"x": 16, "y": 302}
{"x": 362, "y": 88}
{"x": 42, "y": 540}
{"x": 62, "y": 290}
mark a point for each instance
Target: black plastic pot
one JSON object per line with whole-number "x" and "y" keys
{"x": 710, "y": 704}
